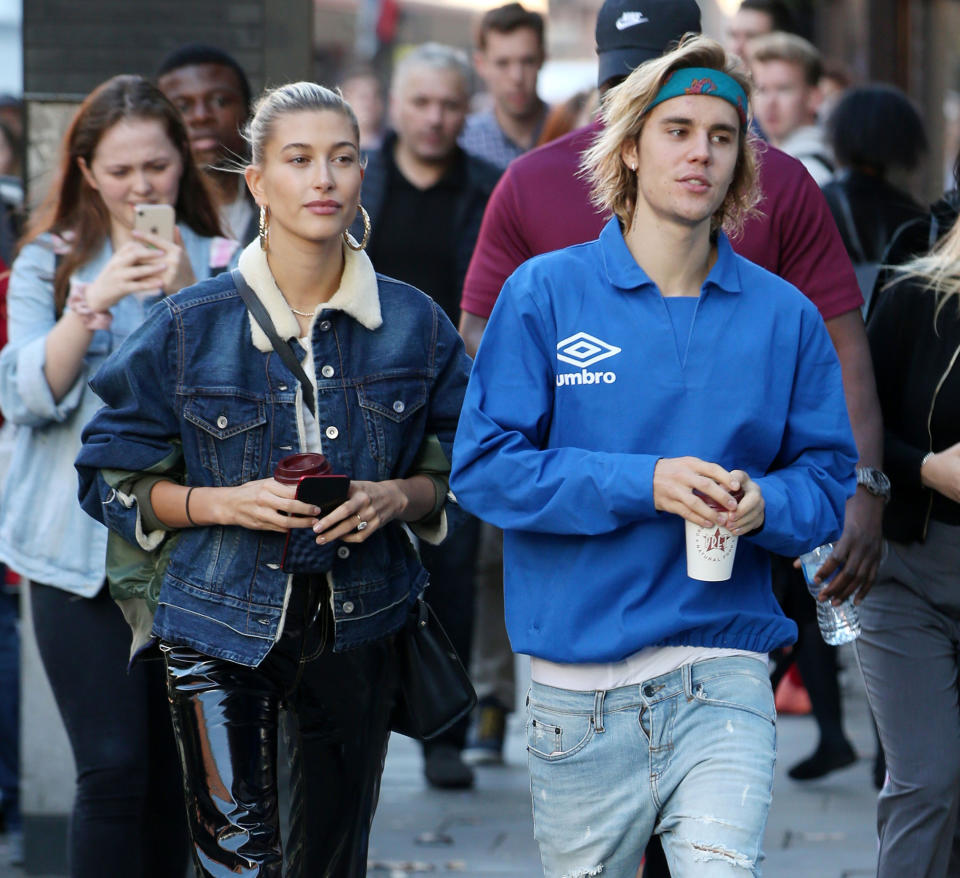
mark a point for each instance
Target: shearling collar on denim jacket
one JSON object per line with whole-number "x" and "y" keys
{"x": 357, "y": 294}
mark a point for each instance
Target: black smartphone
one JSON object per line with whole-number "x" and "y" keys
{"x": 327, "y": 492}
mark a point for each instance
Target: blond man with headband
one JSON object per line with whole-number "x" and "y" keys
{"x": 616, "y": 379}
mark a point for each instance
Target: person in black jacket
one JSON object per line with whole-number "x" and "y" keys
{"x": 911, "y": 620}
{"x": 917, "y": 237}
{"x": 867, "y": 207}
{"x": 425, "y": 198}
{"x": 866, "y": 203}
{"x": 424, "y": 194}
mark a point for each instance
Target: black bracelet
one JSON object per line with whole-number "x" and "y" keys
{"x": 186, "y": 507}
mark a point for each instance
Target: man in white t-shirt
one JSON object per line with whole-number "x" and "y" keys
{"x": 786, "y": 73}
{"x": 211, "y": 90}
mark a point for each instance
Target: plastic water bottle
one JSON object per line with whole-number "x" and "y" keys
{"x": 837, "y": 624}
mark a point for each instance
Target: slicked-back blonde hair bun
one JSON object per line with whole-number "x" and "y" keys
{"x": 294, "y": 97}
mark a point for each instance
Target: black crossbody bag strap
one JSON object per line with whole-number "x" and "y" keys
{"x": 283, "y": 349}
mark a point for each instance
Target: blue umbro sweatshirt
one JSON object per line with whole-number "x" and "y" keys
{"x": 579, "y": 388}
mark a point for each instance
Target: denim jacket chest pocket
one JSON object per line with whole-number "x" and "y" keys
{"x": 391, "y": 406}
{"x": 229, "y": 431}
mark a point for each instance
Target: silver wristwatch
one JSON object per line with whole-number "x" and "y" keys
{"x": 874, "y": 480}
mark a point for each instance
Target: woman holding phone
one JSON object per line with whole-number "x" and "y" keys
{"x": 82, "y": 282}
{"x": 202, "y": 390}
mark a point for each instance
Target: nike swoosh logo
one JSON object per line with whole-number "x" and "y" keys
{"x": 630, "y": 19}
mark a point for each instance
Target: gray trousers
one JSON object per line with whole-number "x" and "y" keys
{"x": 909, "y": 657}
{"x": 491, "y": 661}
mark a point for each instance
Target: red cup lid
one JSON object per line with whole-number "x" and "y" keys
{"x": 294, "y": 467}
{"x": 737, "y": 495}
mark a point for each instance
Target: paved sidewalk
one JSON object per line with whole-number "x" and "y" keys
{"x": 821, "y": 829}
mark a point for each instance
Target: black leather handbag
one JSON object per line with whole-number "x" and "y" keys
{"x": 435, "y": 691}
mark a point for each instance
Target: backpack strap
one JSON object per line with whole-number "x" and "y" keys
{"x": 849, "y": 226}
{"x": 283, "y": 349}
{"x": 824, "y": 159}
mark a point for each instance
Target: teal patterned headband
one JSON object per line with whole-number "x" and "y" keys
{"x": 704, "y": 81}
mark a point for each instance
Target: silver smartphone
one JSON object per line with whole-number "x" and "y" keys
{"x": 155, "y": 219}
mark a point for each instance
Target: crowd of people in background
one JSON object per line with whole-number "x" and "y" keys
{"x": 450, "y": 175}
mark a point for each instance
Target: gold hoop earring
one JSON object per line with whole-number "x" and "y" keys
{"x": 264, "y": 227}
{"x": 366, "y": 231}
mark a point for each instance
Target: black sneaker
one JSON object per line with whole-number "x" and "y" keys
{"x": 485, "y": 738}
{"x": 822, "y": 762}
{"x": 445, "y": 770}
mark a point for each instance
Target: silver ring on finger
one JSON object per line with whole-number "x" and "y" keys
{"x": 362, "y": 525}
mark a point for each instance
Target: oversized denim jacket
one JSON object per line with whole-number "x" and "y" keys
{"x": 200, "y": 378}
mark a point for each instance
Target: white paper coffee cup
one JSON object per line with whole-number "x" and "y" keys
{"x": 710, "y": 552}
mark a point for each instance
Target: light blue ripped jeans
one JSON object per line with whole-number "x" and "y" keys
{"x": 688, "y": 755}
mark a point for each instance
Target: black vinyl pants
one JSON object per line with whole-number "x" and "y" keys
{"x": 338, "y": 712}
{"x": 128, "y": 815}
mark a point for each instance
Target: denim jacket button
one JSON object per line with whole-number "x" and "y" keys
{"x": 282, "y": 387}
{"x": 398, "y": 407}
{"x": 348, "y": 607}
{"x": 343, "y": 552}
{"x": 222, "y": 422}
{"x": 324, "y": 325}
{"x": 327, "y": 371}
{"x": 273, "y": 566}
{"x": 332, "y": 432}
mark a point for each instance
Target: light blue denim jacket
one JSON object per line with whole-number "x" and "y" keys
{"x": 44, "y": 534}
{"x": 200, "y": 378}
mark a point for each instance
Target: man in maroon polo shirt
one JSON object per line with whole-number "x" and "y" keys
{"x": 542, "y": 204}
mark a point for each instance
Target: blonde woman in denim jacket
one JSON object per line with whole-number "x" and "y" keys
{"x": 80, "y": 285}
{"x": 200, "y": 386}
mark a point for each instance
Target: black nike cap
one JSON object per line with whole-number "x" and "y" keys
{"x": 630, "y": 32}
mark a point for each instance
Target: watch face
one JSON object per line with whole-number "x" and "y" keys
{"x": 874, "y": 480}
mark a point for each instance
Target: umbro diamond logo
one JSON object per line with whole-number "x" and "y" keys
{"x": 584, "y": 350}
{"x": 630, "y": 19}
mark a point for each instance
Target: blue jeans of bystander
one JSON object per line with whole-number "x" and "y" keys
{"x": 688, "y": 755}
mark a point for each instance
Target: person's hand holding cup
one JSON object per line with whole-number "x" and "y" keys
{"x": 717, "y": 507}
{"x": 711, "y": 550}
